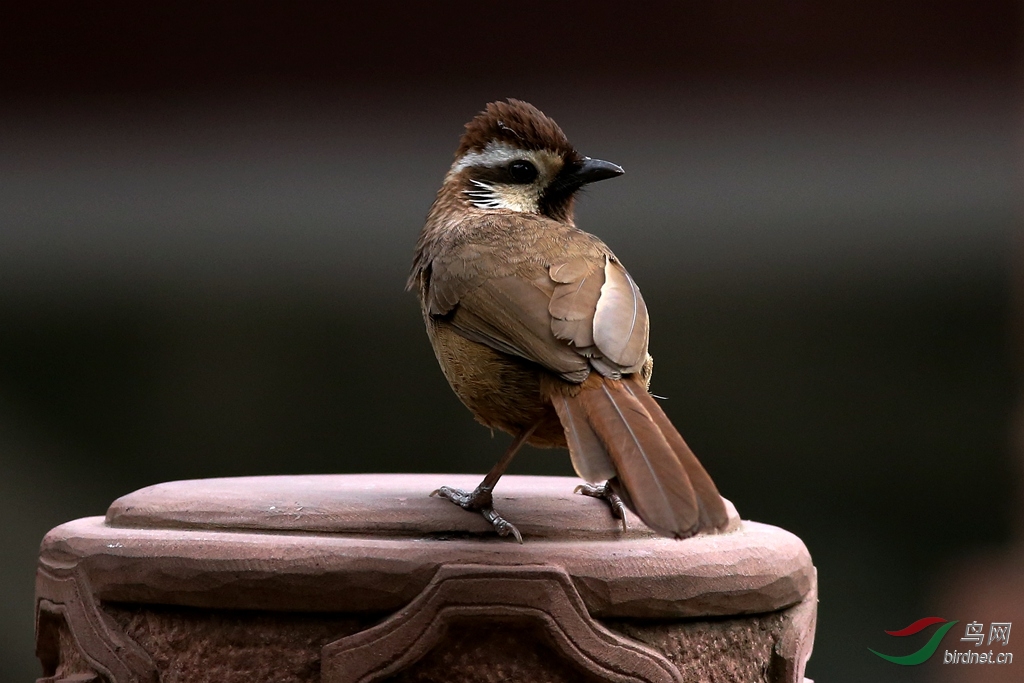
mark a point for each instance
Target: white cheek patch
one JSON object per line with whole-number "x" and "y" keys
{"x": 522, "y": 198}
{"x": 483, "y": 196}
{"x": 510, "y": 196}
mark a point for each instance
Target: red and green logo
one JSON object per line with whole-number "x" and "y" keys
{"x": 928, "y": 649}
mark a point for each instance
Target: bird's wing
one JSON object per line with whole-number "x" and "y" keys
{"x": 598, "y": 308}
{"x": 510, "y": 314}
{"x": 455, "y": 272}
{"x": 569, "y": 316}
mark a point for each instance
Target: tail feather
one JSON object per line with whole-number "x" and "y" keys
{"x": 616, "y": 431}
{"x": 712, "y": 508}
{"x": 657, "y": 485}
{"x": 590, "y": 459}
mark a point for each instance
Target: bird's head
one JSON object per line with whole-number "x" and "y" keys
{"x": 514, "y": 158}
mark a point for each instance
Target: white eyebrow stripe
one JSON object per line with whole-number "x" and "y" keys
{"x": 495, "y": 154}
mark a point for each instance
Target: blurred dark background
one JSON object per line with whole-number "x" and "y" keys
{"x": 207, "y": 211}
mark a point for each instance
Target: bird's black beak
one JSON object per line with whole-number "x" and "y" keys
{"x": 574, "y": 175}
{"x": 589, "y": 170}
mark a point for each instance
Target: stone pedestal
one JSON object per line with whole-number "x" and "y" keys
{"x": 365, "y": 578}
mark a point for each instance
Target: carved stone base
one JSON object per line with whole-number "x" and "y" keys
{"x": 365, "y": 578}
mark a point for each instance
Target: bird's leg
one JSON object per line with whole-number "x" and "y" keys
{"x": 480, "y": 499}
{"x": 608, "y": 494}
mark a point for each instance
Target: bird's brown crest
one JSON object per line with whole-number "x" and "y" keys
{"x": 519, "y": 124}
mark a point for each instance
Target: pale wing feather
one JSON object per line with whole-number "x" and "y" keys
{"x": 607, "y": 369}
{"x": 620, "y": 320}
{"x": 571, "y": 271}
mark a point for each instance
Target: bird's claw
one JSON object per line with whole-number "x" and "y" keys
{"x": 501, "y": 525}
{"x": 604, "y": 492}
{"x": 475, "y": 501}
{"x": 480, "y": 500}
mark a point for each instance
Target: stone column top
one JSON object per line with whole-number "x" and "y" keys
{"x": 372, "y": 542}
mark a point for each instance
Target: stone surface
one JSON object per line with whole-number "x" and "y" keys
{"x": 359, "y": 549}
{"x": 189, "y": 644}
{"x": 323, "y": 577}
{"x": 385, "y": 506}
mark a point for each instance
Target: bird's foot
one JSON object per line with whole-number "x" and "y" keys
{"x": 480, "y": 500}
{"x": 605, "y": 492}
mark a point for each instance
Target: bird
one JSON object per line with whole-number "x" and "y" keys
{"x": 540, "y": 330}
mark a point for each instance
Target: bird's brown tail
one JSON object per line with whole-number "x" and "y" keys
{"x": 616, "y": 431}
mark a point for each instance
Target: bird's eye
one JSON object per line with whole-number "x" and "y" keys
{"x": 522, "y": 171}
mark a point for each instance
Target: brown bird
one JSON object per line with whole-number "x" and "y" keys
{"x": 540, "y": 330}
